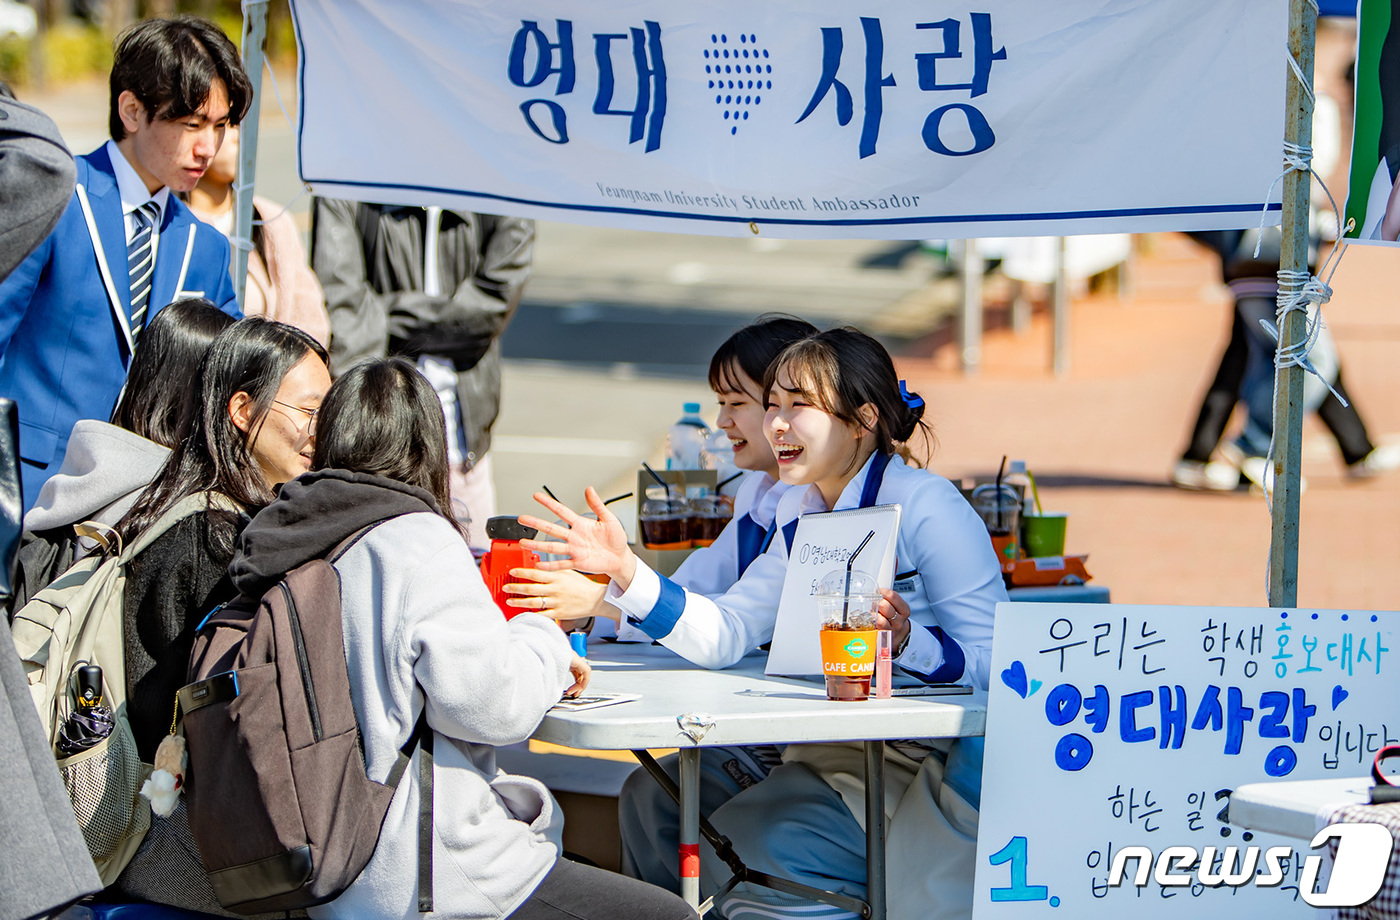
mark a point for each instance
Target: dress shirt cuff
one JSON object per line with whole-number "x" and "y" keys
{"x": 651, "y": 603}
{"x": 636, "y": 602}
{"x": 932, "y": 655}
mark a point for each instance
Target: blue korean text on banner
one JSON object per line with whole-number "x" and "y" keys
{"x": 727, "y": 117}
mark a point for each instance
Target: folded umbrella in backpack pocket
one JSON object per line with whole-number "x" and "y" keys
{"x": 102, "y": 784}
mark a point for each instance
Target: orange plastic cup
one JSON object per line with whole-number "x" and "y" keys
{"x": 848, "y": 662}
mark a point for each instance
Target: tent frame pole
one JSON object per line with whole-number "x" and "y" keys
{"x": 254, "y": 51}
{"x": 1288, "y": 381}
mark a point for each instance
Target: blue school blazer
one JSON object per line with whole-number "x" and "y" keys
{"x": 64, "y": 328}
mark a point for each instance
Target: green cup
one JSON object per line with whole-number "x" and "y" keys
{"x": 1045, "y": 533}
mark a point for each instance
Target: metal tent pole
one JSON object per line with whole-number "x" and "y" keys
{"x": 254, "y": 42}
{"x": 972, "y": 268}
{"x": 1059, "y": 339}
{"x": 1288, "y": 381}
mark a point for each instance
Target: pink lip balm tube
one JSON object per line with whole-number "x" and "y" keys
{"x": 884, "y": 664}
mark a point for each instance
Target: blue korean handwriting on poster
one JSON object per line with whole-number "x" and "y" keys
{"x": 1110, "y": 727}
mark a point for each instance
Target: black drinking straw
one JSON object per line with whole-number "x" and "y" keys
{"x": 1001, "y": 524}
{"x": 549, "y": 493}
{"x": 726, "y": 482}
{"x": 659, "y": 481}
{"x": 617, "y": 498}
{"x": 846, "y": 600}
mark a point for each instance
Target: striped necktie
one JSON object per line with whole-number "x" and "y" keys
{"x": 140, "y": 264}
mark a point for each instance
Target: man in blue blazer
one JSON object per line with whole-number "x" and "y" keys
{"x": 73, "y": 311}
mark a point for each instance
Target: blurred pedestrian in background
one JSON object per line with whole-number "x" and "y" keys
{"x": 438, "y": 286}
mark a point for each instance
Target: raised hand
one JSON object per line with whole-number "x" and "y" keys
{"x": 598, "y": 546}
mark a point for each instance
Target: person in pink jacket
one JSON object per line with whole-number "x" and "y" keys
{"x": 281, "y": 284}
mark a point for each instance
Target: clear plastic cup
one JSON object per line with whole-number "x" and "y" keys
{"x": 846, "y": 607}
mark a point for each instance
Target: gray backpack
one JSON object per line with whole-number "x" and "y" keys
{"x": 277, "y": 796}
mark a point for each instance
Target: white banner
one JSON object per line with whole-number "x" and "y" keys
{"x": 802, "y": 119}
{"x": 1114, "y": 727}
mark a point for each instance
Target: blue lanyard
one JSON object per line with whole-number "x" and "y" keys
{"x": 868, "y": 495}
{"x": 753, "y": 540}
{"x": 871, "y": 493}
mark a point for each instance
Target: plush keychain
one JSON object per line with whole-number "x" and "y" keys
{"x": 168, "y": 778}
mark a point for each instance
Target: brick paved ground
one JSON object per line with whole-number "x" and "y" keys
{"x": 1103, "y": 439}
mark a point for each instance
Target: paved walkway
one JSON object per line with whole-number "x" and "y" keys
{"x": 1103, "y": 439}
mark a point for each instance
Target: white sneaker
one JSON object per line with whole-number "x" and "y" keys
{"x": 1260, "y": 474}
{"x": 1383, "y": 459}
{"x": 1214, "y": 476}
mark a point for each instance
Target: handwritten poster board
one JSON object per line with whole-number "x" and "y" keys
{"x": 823, "y": 543}
{"x": 1117, "y": 726}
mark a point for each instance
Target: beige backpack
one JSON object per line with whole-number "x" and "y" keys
{"x": 75, "y": 620}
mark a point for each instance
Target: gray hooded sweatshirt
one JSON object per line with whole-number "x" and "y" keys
{"x": 421, "y": 631}
{"x": 104, "y": 470}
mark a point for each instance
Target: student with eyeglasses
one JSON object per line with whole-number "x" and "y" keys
{"x": 258, "y": 390}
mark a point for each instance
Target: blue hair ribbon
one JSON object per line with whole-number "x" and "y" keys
{"x": 912, "y": 400}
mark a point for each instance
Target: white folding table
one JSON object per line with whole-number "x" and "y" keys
{"x": 1294, "y": 807}
{"x": 690, "y": 708}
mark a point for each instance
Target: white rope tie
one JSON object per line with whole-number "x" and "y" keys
{"x": 1300, "y": 290}
{"x": 1296, "y": 158}
{"x": 245, "y": 242}
{"x": 1297, "y": 69}
{"x": 277, "y": 94}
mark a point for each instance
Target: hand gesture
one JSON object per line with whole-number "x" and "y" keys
{"x": 559, "y": 595}
{"x": 592, "y": 546}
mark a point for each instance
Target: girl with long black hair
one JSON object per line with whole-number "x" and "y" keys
{"x": 259, "y": 389}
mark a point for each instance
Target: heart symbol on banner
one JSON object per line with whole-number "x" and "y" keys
{"x": 1035, "y": 685}
{"x": 1338, "y": 694}
{"x": 738, "y": 73}
{"x": 1015, "y": 678}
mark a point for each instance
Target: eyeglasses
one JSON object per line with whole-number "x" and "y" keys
{"x": 310, "y": 413}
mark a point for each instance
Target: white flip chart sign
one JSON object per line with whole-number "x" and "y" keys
{"x": 823, "y": 544}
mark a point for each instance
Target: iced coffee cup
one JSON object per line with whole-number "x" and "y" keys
{"x": 846, "y": 605}
{"x": 1000, "y": 509}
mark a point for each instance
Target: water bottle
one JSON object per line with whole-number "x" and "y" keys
{"x": 687, "y": 440}
{"x": 1018, "y": 475}
{"x": 719, "y": 456}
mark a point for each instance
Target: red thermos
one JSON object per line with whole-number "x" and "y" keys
{"x": 505, "y": 554}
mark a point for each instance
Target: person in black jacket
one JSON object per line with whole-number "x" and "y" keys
{"x": 437, "y": 286}
{"x": 260, "y": 387}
